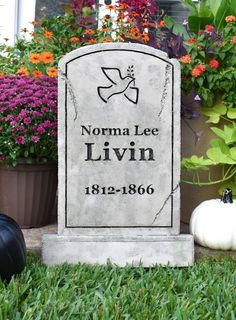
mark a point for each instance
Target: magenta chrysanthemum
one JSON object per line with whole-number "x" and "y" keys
{"x": 28, "y": 114}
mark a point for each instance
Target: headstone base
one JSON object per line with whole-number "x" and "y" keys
{"x": 146, "y": 250}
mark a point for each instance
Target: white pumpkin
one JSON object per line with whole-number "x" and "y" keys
{"x": 213, "y": 224}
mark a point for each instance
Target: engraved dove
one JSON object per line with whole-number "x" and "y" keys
{"x": 119, "y": 85}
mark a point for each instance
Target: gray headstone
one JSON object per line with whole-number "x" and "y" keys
{"x": 119, "y": 158}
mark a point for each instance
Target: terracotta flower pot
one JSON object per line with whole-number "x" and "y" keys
{"x": 27, "y": 193}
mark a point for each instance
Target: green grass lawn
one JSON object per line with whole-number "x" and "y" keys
{"x": 205, "y": 291}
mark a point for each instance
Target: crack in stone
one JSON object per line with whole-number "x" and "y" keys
{"x": 171, "y": 194}
{"x": 167, "y": 82}
{"x": 71, "y": 92}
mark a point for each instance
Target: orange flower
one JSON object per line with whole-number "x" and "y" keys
{"x": 145, "y": 37}
{"x": 121, "y": 15}
{"x": 48, "y": 34}
{"x": 119, "y": 21}
{"x": 233, "y": 40}
{"x": 214, "y": 64}
{"x": 107, "y": 40}
{"x": 104, "y": 28}
{"x": 191, "y": 40}
{"x": 144, "y": 24}
{"x": 135, "y": 14}
{"x": 134, "y": 30}
{"x": 37, "y": 73}
{"x": 186, "y": 59}
{"x": 230, "y": 19}
{"x": 35, "y": 58}
{"x": 131, "y": 20}
{"x": 24, "y": 30}
{"x": 92, "y": 41}
{"x": 52, "y": 72}
{"x": 209, "y": 28}
{"x": 34, "y": 23}
{"x": 122, "y": 6}
{"x": 1, "y": 73}
{"x": 119, "y": 38}
{"x": 89, "y": 31}
{"x": 107, "y": 17}
{"x": 110, "y": 7}
{"x": 22, "y": 72}
{"x": 162, "y": 24}
{"x": 198, "y": 71}
{"x": 47, "y": 57}
{"x": 74, "y": 39}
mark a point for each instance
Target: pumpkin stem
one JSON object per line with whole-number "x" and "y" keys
{"x": 227, "y": 196}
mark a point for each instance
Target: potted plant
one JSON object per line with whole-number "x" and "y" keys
{"x": 209, "y": 73}
{"x": 28, "y": 148}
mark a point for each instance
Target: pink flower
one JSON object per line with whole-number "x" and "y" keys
{"x": 20, "y": 140}
{"x": 35, "y": 139}
{"x": 21, "y": 128}
{"x": 27, "y": 120}
{"x": 47, "y": 124}
{"x": 13, "y": 123}
{"x": 44, "y": 109}
{"x": 2, "y": 158}
{"x": 53, "y": 133}
{"x": 40, "y": 129}
{"x": 9, "y": 117}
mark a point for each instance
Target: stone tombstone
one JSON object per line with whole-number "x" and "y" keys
{"x": 119, "y": 159}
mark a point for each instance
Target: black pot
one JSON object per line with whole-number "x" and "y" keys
{"x": 12, "y": 248}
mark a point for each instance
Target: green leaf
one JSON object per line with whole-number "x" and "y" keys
{"x": 228, "y": 134}
{"x": 177, "y": 27}
{"x": 26, "y": 153}
{"x": 214, "y": 6}
{"x": 213, "y": 116}
{"x": 233, "y": 153}
{"x": 202, "y": 53}
{"x": 231, "y": 114}
{"x": 217, "y": 156}
{"x": 214, "y": 112}
{"x": 220, "y": 108}
{"x": 12, "y": 155}
{"x": 222, "y": 55}
{"x": 217, "y": 143}
{"x": 200, "y": 81}
{"x": 198, "y": 23}
{"x": 204, "y": 9}
{"x": 196, "y": 163}
{"x": 209, "y": 78}
{"x": 191, "y": 6}
{"x": 220, "y": 152}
